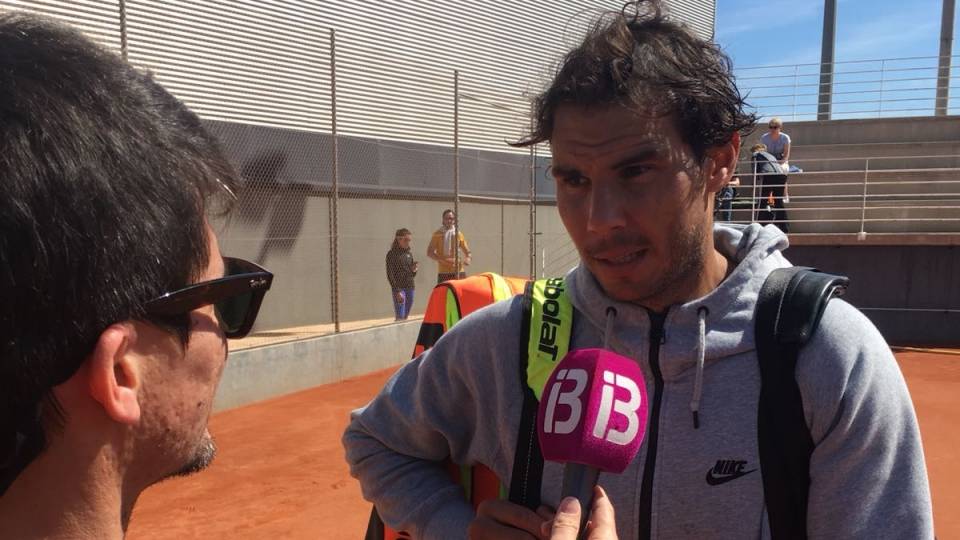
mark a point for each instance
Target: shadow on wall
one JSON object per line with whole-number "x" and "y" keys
{"x": 264, "y": 197}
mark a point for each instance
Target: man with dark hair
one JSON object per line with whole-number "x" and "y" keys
{"x": 116, "y": 303}
{"x": 644, "y": 123}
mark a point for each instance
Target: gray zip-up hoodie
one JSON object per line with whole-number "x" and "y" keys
{"x": 462, "y": 399}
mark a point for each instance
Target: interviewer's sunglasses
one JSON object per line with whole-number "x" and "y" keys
{"x": 236, "y": 297}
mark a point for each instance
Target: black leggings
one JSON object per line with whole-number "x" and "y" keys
{"x": 779, "y": 214}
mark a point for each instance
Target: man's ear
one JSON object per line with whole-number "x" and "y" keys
{"x": 721, "y": 163}
{"x": 114, "y": 373}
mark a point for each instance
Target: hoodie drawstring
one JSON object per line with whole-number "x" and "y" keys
{"x": 701, "y": 351}
{"x": 608, "y": 327}
{"x": 702, "y": 313}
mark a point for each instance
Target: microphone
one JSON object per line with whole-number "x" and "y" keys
{"x": 592, "y": 417}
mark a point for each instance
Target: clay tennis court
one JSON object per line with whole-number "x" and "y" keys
{"x": 280, "y": 471}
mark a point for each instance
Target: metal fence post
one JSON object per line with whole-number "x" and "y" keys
{"x": 883, "y": 67}
{"x": 533, "y": 212}
{"x": 335, "y": 197}
{"x": 796, "y": 75}
{"x": 863, "y": 202}
{"x": 825, "y": 93}
{"x": 502, "y": 236}
{"x": 755, "y": 188}
{"x": 456, "y": 170}
{"x": 944, "y": 62}
{"x": 123, "y": 28}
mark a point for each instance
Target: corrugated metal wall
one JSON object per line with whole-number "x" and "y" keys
{"x": 699, "y": 14}
{"x": 245, "y": 61}
{"x": 259, "y": 73}
{"x": 266, "y": 62}
{"x": 97, "y": 18}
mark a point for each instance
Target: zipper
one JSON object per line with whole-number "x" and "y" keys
{"x": 657, "y": 321}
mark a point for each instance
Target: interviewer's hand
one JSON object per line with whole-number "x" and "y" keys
{"x": 504, "y": 520}
{"x": 566, "y": 524}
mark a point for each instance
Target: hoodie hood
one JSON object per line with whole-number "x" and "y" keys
{"x": 727, "y": 311}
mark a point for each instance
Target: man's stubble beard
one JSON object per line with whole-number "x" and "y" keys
{"x": 202, "y": 458}
{"x": 685, "y": 265}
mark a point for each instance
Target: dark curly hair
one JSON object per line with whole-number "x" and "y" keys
{"x": 639, "y": 59}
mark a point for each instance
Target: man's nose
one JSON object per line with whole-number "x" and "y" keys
{"x": 606, "y": 207}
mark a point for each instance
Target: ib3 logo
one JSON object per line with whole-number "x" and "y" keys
{"x": 604, "y": 426}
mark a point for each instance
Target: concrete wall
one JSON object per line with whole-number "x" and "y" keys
{"x": 902, "y": 277}
{"x": 264, "y": 372}
{"x": 870, "y": 130}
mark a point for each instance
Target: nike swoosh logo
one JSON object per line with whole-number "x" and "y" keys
{"x": 717, "y": 480}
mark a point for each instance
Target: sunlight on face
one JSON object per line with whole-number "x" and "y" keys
{"x": 630, "y": 196}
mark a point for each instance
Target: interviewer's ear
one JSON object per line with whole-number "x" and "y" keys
{"x": 114, "y": 373}
{"x": 720, "y": 164}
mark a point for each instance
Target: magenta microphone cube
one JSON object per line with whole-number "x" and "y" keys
{"x": 593, "y": 410}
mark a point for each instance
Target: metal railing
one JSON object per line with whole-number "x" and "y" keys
{"x": 880, "y": 194}
{"x": 888, "y": 87}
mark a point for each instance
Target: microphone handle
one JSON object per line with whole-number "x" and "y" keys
{"x": 578, "y": 481}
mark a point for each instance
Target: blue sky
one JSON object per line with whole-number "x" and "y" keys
{"x": 788, "y": 32}
{"x": 755, "y": 32}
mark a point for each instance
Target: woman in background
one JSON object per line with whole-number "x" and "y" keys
{"x": 401, "y": 269}
{"x": 777, "y": 143}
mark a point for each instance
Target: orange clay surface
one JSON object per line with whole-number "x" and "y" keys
{"x": 280, "y": 471}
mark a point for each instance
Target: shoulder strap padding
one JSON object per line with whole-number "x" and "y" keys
{"x": 546, "y": 329}
{"x": 551, "y": 325}
{"x": 789, "y": 308}
{"x": 527, "y": 473}
{"x": 811, "y": 289}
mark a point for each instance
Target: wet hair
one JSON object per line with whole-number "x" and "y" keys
{"x": 106, "y": 180}
{"x": 641, "y": 60}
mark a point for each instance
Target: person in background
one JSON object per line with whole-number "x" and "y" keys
{"x": 116, "y": 302}
{"x": 773, "y": 186}
{"x": 401, "y": 269}
{"x": 777, "y": 143}
{"x": 443, "y": 248}
{"x": 725, "y": 196}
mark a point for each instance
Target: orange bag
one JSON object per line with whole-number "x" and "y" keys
{"x": 449, "y": 302}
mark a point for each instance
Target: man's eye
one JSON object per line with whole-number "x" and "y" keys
{"x": 634, "y": 170}
{"x": 573, "y": 180}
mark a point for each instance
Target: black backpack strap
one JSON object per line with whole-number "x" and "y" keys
{"x": 527, "y": 475}
{"x": 789, "y": 309}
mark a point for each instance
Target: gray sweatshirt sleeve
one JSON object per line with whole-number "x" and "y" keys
{"x": 460, "y": 399}
{"x": 867, "y": 474}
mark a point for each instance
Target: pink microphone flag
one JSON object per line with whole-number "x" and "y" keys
{"x": 593, "y": 410}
